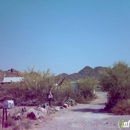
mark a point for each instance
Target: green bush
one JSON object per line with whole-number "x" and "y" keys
{"x": 81, "y": 99}
{"x": 33, "y": 88}
{"x": 35, "y": 85}
{"x": 116, "y": 81}
{"x": 63, "y": 93}
{"x": 83, "y": 93}
{"x": 121, "y": 108}
{"x": 86, "y": 89}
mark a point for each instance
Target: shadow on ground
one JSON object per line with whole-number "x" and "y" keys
{"x": 89, "y": 110}
{"x": 99, "y": 104}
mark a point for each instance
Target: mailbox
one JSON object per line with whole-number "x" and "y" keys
{"x": 8, "y": 104}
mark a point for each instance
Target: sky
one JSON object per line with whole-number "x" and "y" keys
{"x": 63, "y": 35}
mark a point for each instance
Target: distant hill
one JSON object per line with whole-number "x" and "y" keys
{"x": 85, "y": 72}
{"x": 9, "y": 73}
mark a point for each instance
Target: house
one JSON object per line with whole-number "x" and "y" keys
{"x": 11, "y": 79}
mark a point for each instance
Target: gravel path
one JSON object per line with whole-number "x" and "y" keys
{"x": 84, "y": 117}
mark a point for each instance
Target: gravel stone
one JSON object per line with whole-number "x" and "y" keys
{"x": 85, "y": 117}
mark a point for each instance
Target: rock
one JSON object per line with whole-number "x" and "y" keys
{"x": 44, "y": 105}
{"x": 23, "y": 109}
{"x": 16, "y": 115}
{"x": 32, "y": 115}
{"x": 61, "y": 107}
{"x": 65, "y": 105}
{"x": 50, "y": 110}
{"x": 71, "y": 102}
{"x": 42, "y": 109}
{"x": 36, "y": 114}
{"x": 57, "y": 108}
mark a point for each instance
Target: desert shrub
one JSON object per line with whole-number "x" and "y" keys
{"x": 82, "y": 94}
{"x": 81, "y": 99}
{"x": 116, "y": 81}
{"x": 33, "y": 87}
{"x": 121, "y": 108}
{"x": 86, "y": 88}
{"x": 64, "y": 92}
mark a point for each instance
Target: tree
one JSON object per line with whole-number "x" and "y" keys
{"x": 34, "y": 86}
{"x": 64, "y": 92}
{"x": 87, "y": 87}
{"x": 116, "y": 81}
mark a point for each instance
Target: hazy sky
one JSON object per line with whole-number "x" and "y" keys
{"x": 63, "y": 35}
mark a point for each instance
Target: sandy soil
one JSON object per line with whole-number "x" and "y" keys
{"x": 84, "y": 117}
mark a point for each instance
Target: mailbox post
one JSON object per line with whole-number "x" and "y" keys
{"x": 7, "y": 104}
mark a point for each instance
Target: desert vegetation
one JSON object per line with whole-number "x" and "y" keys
{"x": 35, "y": 85}
{"x": 86, "y": 88}
{"x": 33, "y": 89}
{"x": 116, "y": 81}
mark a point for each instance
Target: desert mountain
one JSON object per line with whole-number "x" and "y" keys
{"x": 85, "y": 72}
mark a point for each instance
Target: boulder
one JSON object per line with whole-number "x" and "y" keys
{"x": 36, "y": 114}
{"x": 50, "y": 110}
{"x": 42, "y": 109}
{"x": 57, "y": 108}
{"x": 17, "y": 116}
{"x": 44, "y": 105}
{"x": 65, "y": 105}
{"x": 71, "y": 102}
{"x": 61, "y": 107}
{"x": 23, "y": 109}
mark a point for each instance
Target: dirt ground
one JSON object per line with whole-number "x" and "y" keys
{"x": 84, "y": 117}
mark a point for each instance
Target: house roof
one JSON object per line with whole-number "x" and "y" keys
{"x": 12, "y": 79}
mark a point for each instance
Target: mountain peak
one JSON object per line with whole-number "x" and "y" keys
{"x": 85, "y": 70}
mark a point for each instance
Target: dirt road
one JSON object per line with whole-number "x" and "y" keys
{"x": 84, "y": 117}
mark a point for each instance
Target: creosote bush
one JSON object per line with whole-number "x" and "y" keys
{"x": 33, "y": 89}
{"x": 116, "y": 81}
{"x": 63, "y": 93}
{"x": 83, "y": 93}
{"x": 86, "y": 89}
{"x": 121, "y": 108}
